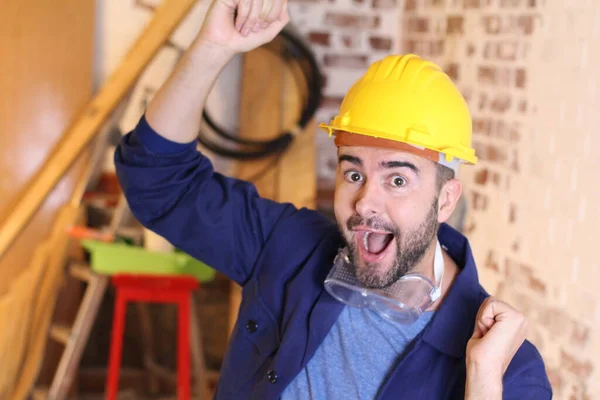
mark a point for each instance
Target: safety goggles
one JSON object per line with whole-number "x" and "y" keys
{"x": 404, "y": 301}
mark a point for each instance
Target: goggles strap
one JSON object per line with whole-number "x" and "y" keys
{"x": 438, "y": 272}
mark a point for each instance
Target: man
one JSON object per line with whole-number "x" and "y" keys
{"x": 392, "y": 315}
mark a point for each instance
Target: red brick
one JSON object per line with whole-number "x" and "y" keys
{"x": 510, "y": 3}
{"x": 523, "y": 274}
{"x": 491, "y": 262}
{"x": 410, "y": 5}
{"x": 481, "y": 176}
{"x": 350, "y": 40}
{"x": 455, "y": 25}
{"x": 418, "y": 25}
{"x": 520, "y": 78}
{"x": 525, "y": 24}
{"x": 536, "y": 285}
{"x": 380, "y": 43}
{"x": 492, "y": 24}
{"x": 512, "y": 213}
{"x": 523, "y": 106}
{"x": 384, "y": 4}
{"x": 356, "y": 21}
{"x": 497, "y": 76}
{"x": 580, "y": 335}
{"x": 480, "y": 201}
{"x": 503, "y": 51}
{"x": 500, "y": 103}
{"x": 556, "y": 380}
{"x": 436, "y": 48}
{"x": 452, "y": 71}
{"x": 486, "y": 74}
{"x": 516, "y": 246}
{"x": 471, "y": 49}
{"x": 320, "y": 38}
{"x": 471, "y": 4}
{"x": 496, "y": 179}
{"x": 497, "y": 102}
{"x": 482, "y": 126}
{"x": 515, "y": 131}
{"x": 346, "y": 61}
{"x": 495, "y": 154}
{"x": 580, "y": 369}
{"x": 509, "y": 24}
{"x": 428, "y": 48}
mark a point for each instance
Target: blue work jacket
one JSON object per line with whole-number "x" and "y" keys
{"x": 281, "y": 256}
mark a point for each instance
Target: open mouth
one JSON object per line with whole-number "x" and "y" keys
{"x": 373, "y": 245}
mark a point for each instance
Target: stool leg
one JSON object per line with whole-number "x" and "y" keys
{"x": 198, "y": 364}
{"x": 183, "y": 348}
{"x": 116, "y": 345}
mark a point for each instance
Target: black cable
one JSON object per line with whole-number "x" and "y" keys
{"x": 293, "y": 49}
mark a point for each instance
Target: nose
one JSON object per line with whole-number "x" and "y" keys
{"x": 369, "y": 201}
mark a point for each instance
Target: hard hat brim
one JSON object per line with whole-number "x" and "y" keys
{"x": 465, "y": 156}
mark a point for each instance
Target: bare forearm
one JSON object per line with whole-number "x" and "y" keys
{"x": 175, "y": 112}
{"x": 483, "y": 384}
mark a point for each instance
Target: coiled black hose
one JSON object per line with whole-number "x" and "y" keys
{"x": 293, "y": 49}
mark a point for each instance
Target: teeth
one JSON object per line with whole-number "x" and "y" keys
{"x": 366, "y": 240}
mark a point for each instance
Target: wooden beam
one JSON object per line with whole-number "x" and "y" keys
{"x": 166, "y": 19}
{"x": 260, "y": 118}
{"x": 271, "y": 102}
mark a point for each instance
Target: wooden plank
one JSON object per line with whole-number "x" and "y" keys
{"x": 81, "y": 272}
{"x": 201, "y": 387}
{"x": 60, "y": 333}
{"x": 260, "y": 113}
{"x": 16, "y": 317}
{"x": 297, "y": 178}
{"x": 167, "y": 17}
{"x": 44, "y": 302}
{"x": 78, "y": 338}
{"x": 260, "y": 118}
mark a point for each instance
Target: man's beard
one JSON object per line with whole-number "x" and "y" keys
{"x": 410, "y": 249}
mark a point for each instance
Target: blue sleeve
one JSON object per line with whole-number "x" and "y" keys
{"x": 530, "y": 388}
{"x": 173, "y": 190}
{"x": 526, "y": 377}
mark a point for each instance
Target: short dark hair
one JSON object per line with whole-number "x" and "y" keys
{"x": 443, "y": 175}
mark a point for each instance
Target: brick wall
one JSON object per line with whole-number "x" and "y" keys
{"x": 527, "y": 69}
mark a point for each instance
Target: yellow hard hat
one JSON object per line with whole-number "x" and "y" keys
{"x": 406, "y": 99}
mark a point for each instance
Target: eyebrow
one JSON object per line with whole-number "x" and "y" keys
{"x": 384, "y": 164}
{"x": 399, "y": 164}
{"x": 351, "y": 159}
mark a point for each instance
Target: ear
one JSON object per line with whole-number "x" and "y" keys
{"x": 448, "y": 198}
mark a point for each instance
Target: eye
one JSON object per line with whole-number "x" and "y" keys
{"x": 353, "y": 176}
{"x": 398, "y": 181}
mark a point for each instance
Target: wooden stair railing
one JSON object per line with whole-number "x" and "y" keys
{"x": 166, "y": 18}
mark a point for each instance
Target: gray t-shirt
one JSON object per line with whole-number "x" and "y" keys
{"x": 355, "y": 358}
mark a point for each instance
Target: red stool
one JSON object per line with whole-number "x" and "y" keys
{"x": 155, "y": 289}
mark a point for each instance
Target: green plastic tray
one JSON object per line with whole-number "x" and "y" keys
{"x": 118, "y": 258}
